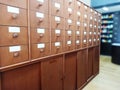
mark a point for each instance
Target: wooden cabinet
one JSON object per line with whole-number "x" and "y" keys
{"x": 90, "y": 63}
{"x": 52, "y": 73}
{"x": 96, "y": 60}
{"x": 25, "y": 78}
{"x": 81, "y": 68}
{"x": 70, "y": 71}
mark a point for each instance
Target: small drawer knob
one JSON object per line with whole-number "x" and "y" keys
{"x": 15, "y": 35}
{"x": 16, "y": 54}
{"x": 14, "y": 16}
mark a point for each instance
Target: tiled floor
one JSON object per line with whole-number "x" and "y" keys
{"x": 109, "y": 77}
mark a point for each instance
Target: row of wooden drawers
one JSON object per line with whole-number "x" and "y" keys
{"x": 19, "y": 35}
{"x": 18, "y": 16}
{"x": 16, "y": 54}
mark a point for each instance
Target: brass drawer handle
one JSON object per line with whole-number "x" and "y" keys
{"x": 14, "y": 16}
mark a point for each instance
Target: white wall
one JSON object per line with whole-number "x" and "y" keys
{"x": 88, "y": 2}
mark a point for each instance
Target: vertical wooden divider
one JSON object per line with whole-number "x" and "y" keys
{"x": 29, "y": 41}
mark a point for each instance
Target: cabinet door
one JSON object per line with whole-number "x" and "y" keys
{"x": 81, "y": 68}
{"x": 23, "y": 78}
{"x": 51, "y": 73}
{"x": 96, "y": 60}
{"x": 70, "y": 71}
{"x": 90, "y": 63}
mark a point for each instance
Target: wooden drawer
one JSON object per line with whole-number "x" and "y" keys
{"x": 57, "y": 47}
{"x": 84, "y": 42}
{"x": 18, "y": 3}
{"x": 40, "y": 50}
{"x": 90, "y": 42}
{"x": 39, "y": 19}
{"x": 57, "y": 35}
{"x": 57, "y": 22}
{"x": 13, "y": 35}
{"x": 57, "y": 8}
{"x": 69, "y": 13}
{"x": 77, "y": 33}
{"x": 77, "y": 43}
{"x": 69, "y": 45}
{"x": 69, "y": 3}
{"x": 69, "y": 24}
{"x": 39, "y": 35}
{"x": 78, "y": 5}
{"x": 39, "y": 5}
{"x": 69, "y": 35}
{"x": 13, "y": 54}
{"x": 78, "y": 25}
{"x": 13, "y": 16}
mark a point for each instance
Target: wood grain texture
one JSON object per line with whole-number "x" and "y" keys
{"x": 109, "y": 77}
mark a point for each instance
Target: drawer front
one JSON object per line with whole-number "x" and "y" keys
{"x": 39, "y": 19}
{"x": 13, "y": 35}
{"x": 77, "y": 43}
{"x": 84, "y": 42}
{"x": 78, "y": 25}
{"x": 69, "y": 35}
{"x": 57, "y": 22}
{"x": 57, "y": 35}
{"x": 69, "y": 13}
{"x": 13, "y": 16}
{"x": 13, "y": 54}
{"x": 69, "y": 24}
{"x": 57, "y": 8}
{"x": 39, "y": 35}
{"x": 18, "y": 3}
{"x": 57, "y": 47}
{"x": 39, "y": 5}
{"x": 69, "y": 45}
{"x": 40, "y": 50}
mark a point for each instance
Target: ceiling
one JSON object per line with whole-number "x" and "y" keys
{"x": 111, "y": 9}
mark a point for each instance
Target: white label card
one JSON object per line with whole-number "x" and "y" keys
{"x": 39, "y": 30}
{"x": 85, "y": 24}
{"x": 78, "y": 23}
{"x": 94, "y": 39}
{"x": 69, "y": 9}
{"x": 41, "y": 1}
{"x": 90, "y": 40}
{"x": 42, "y": 45}
{"x": 70, "y": 0}
{"x": 57, "y": 44}
{"x": 78, "y": 13}
{"x": 14, "y": 48}
{"x": 57, "y": 18}
{"x": 85, "y": 33}
{"x": 91, "y": 18}
{"x": 14, "y": 29}
{"x": 95, "y": 33}
{"x": 84, "y": 41}
{"x": 40, "y": 15}
{"x": 78, "y": 3}
{"x": 69, "y": 21}
{"x": 91, "y": 10}
{"x": 90, "y": 33}
{"x": 69, "y": 42}
{"x": 57, "y": 31}
{"x": 85, "y": 16}
{"x": 90, "y": 25}
{"x": 57, "y": 5}
{"x": 77, "y": 42}
{"x": 77, "y": 32}
{"x": 85, "y": 7}
{"x": 69, "y": 32}
{"x": 13, "y": 9}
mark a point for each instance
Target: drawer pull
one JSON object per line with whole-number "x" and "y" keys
{"x": 16, "y": 54}
{"x": 15, "y": 35}
{"x": 42, "y": 50}
{"x": 40, "y": 4}
{"x": 41, "y": 35}
{"x": 40, "y": 20}
{"x": 14, "y": 16}
{"x": 58, "y": 35}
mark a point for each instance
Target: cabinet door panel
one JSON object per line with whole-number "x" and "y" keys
{"x": 51, "y": 73}
{"x": 81, "y": 68}
{"x": 70, "y": 72}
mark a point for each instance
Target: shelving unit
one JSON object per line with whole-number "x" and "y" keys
{"x": 107, "y": 33}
